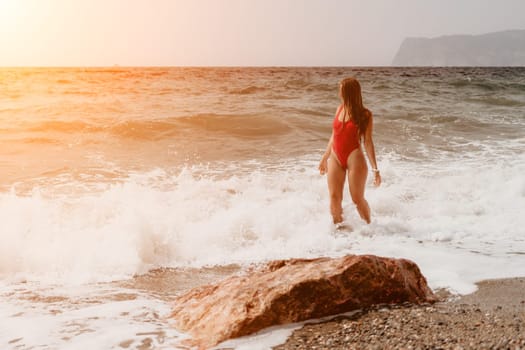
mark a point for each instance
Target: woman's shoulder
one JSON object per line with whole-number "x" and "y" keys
{"x": 338, "y": 110}
{"x": 368, "y": 113}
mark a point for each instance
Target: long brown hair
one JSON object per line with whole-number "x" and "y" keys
{"x": 350, "y": 91}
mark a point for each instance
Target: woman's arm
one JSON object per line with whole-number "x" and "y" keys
{"x": 329, "y": 146}
{"x": 371, "y": 152}
{"x": 323, "y": 164}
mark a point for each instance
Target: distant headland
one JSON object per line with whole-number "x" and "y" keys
{"x": 505, "y": 48}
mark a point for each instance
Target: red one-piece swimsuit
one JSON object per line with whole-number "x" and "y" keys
{"x": 346, "y": 138}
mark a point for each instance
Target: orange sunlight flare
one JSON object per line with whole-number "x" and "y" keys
{"x": 10, "y": 11}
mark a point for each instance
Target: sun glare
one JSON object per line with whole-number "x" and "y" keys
{"x": 10, "y": 11}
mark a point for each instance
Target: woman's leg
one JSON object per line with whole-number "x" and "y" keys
{"x": 336, "y": 182}
{"x": 357, "y": 174}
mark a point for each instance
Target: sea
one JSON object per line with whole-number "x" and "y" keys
{"x": 123, "y": 187}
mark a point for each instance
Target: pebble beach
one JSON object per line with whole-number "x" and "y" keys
{"x": 491, "y": 318}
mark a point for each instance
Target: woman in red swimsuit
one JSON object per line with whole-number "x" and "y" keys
{"x": 352, "y": 127}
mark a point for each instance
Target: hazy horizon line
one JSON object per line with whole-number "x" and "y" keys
{"x": 255, "y": 66}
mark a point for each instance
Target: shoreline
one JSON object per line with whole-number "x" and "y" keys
{"x": 491, "y": 317}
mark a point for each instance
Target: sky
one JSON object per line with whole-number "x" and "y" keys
{"x": 235, "y": 32}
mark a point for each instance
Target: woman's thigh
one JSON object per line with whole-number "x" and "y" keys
{"x": 357, "y": 174}
{"x": 336, "y": 177}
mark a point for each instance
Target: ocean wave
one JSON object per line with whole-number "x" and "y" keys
{"x": 296, "y": 83}
{"x": 247, "y": 90}
{"x": 498, "y": 101}
{"x": 240, "y": 125}
{"x": 41, "y": 140}
{"x": 482, "y": 85}
{"x": 112, "y": 233}
{"x": 460, "y": 83}
{"x": 258, "y": 126}
{"x": 517, "y": 86}
{"x": 201, "y": 220}
{"x": 86, "y": 208}
{"x": 73, "y": 126}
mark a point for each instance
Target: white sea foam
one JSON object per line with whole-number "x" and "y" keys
{"x": 86, "y": 318}
{"x": 460, "y": 220}
{"x": 455, "y": 211}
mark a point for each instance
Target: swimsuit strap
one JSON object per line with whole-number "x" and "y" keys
{"x": 339, "y": 111}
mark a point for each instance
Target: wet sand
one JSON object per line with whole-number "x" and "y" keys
{"x": 167, "y": 283}
{"x": 491, "y": 318}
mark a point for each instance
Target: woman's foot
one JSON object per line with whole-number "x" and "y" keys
{"x": 343, "y": 226}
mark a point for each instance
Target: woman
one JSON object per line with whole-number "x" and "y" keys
{"x": 352, "y": 126}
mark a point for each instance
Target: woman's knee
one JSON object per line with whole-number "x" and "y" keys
{"x": 358, "y": 200}
{"x": 336, "y": 200}
{"x": 337, "y": 213}
{"x": 336, "y": 197}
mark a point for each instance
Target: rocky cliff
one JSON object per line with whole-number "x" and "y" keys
{"x": 505, "y": 48}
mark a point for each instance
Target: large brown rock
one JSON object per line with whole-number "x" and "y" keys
{"x": 288, "y": 291}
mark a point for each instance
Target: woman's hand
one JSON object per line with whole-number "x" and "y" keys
{"x": 323, "y": 165}
{"x": 377, "y": 178}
